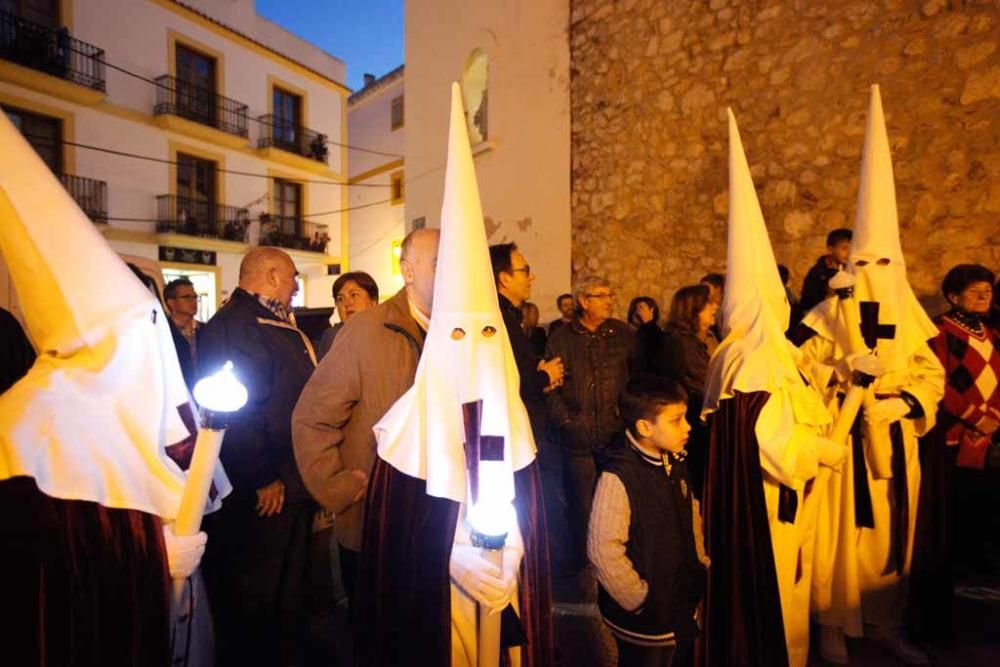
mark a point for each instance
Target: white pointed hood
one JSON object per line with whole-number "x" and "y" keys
{"x": 466, "y": 358}
{"x": 93, "y": 417}
{"x": 876, "y": 258}
{"x": 754, "y": 354}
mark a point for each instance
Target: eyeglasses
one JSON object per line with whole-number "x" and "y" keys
{"x": 609, "y": 295}
{"x": 526, "y": 268}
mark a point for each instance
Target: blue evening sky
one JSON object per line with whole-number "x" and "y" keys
{"x": 366, "y": 34}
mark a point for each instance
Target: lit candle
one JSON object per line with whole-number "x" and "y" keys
{"x": 491, "y": 522}
{"x": 218, "y": 395}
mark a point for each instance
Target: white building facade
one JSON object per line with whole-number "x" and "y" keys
{"x": 226, "y": 130}
{"x": 512, "y": 59}
{"x": 376, "y": 120}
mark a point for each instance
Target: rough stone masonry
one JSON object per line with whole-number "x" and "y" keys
{"x": 650, "y": 83}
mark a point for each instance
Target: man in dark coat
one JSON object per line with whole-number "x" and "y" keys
{"x": 513, "y": 278}
{"x": 815, "y": 287}
{"x": 181, "y": 299}
{"x": 257, "y": 565}
{"x": 599, "y": 354}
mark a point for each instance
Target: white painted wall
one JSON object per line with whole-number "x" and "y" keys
{"x": 524, "y": 180}
{"x": 374, "y": 228}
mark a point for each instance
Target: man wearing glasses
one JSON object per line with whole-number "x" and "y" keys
{"x": 598, "y": 352}
{"x": 182, "y": 303}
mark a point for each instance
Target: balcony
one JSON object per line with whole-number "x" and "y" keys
{"x": 90, "y": 195}
{"x": 201, "y": 107}
{"x": 50, "y": 51}
{"x": 193, "y": 217}
{"x": 297, "y": 141}
{"x": 293, "y": 233}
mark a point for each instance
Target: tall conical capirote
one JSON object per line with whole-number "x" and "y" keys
{"x": 754, "y": 354}
{"x": 466, "y": 361}
{"x": 876, "y": 258}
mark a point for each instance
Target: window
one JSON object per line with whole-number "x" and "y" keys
{"x": 44, "y": 133}
{"x": 397, "y": 113}
{"x": 397, "y": 189}
{"x": 195, "y": 74}
{"x": 43, "y": 12}
{"x": 288, "y": 206}
{"x": 475, "y": 78}
{"x": 287, "y": 118}
{"x": 196, "y": 178}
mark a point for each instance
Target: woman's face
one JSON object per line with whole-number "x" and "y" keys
{"x": 975, "y": 298}
{"x": 352, "y": 299}
{"x": 706, "y": 318}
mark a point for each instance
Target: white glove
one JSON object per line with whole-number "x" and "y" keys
{"x": 830, "y": 454}
{"x": 887, "y": 411}
{"x": 845, "y": 367}
{"x": 481, "y": 579}
{"x": 183, "y": 553}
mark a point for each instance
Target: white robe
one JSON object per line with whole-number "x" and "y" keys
{"x": 851, "y": 585}
{"x": 788, "y": 456}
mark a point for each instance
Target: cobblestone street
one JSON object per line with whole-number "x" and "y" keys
{"x": 583, "y": 641}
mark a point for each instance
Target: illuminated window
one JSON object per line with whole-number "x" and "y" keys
{"x": 397, "y": 188}
{"x": 397, "y": 113}
{"x": 397, "y": 251}
{"x": 475, "y": 79}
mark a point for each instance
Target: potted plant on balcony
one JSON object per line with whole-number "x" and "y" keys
{"x": 318, "y": 148}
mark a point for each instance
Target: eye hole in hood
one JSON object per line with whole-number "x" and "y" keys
{"x": 489, "y": 331}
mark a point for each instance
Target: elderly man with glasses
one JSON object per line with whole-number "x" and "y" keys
{"x": 598, "y": 352}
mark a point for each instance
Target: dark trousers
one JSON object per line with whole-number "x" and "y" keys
{"x": 551, "y": 470}
{"x": 634, "y": 655}
{"x": 349, "y": 560}
{"x": 581, "y": 475}
{"x": 257, "y": 573}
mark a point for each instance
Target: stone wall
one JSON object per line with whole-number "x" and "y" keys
{"x": 650, "y": 83}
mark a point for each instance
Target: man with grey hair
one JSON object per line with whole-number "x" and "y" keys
{"x": 598, "y": 352}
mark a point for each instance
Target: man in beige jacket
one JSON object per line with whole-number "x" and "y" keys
{"x": 371, "y": 364}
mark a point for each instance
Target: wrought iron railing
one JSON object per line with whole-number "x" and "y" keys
{"x": 90, "y": 195}
{"x": 194, "y": 217}
{"x": 293, "y": 233}
{"x": 292, "y": 137}
{"x": 202, "y": 105}
{"x": 51, "y": 51}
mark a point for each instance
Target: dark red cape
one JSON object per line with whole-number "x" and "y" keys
{"x": 83, "y": 584}
{"x": 743, "y": 622}
{"x": 404, "y": 594}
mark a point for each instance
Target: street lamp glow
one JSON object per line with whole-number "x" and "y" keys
{"x": 221, "y": 392}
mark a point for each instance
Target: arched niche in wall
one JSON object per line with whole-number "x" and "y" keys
{"x": 475, "y": 88}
